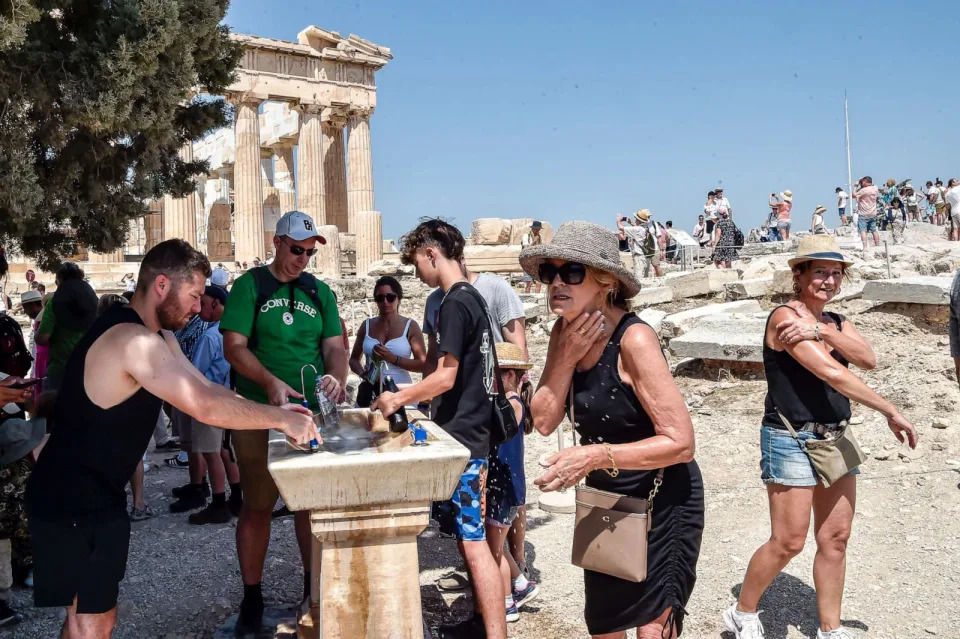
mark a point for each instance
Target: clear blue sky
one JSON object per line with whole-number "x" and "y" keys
{"x": 572, "y": 110}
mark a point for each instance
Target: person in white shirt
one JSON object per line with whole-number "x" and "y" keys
{"x": 723, "y": 204}
{"x": 700, "y": 232}
{"x": 842, "y": 205}
{"x": 710, "y": 211}
{"x": 817, "y": 227}
{"x": 952, "y": 202}
{"x": 912, "y": 201}
{"x": 644, "y": 239}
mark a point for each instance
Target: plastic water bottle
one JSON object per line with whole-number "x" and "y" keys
{"x": 328, "y": 410}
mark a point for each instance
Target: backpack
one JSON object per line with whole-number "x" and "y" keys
{"x": 15, "y": 359}
{"x": 267, "y": 285}
{"x": 737, "y": 237}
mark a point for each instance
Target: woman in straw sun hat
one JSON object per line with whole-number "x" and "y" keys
{"x": 817, "y": 226}
{"x": 631, "y": 421}
{"x": 806, "y": 354}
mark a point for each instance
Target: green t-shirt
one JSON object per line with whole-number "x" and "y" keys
{"x": 282, "y": 346}
{"x": 62, "y": 341}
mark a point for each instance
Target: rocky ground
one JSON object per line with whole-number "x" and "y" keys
{"x": 183, "y": 581}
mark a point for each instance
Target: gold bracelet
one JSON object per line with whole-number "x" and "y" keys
{"x": 615, "y": 471}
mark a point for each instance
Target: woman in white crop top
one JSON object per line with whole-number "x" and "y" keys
{"x": 390, "y": 338}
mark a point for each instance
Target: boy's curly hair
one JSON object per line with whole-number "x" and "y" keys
{"x": 434, "y": 232}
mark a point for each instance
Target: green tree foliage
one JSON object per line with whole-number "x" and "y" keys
{"x": 96, "y": 99}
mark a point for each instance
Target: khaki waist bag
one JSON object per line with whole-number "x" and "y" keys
{"x": 833, "y": 457}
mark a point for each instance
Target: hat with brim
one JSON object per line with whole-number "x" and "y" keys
{"x": 787, "y": 195}
{"x": 511, "y": 356}
{"x": 536, "y": 225}
{"x": 298, "y": 226}
{"x": 643, "y": 215}
{"x": 584, "y": 242}
{"x": 30, "y": 297}
{"x": 216, "y": 292}
{"x": 820, "y": 209}
{"x": 818, "y": 247}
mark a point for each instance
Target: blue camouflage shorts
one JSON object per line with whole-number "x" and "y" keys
{"x": 462, "y": 515}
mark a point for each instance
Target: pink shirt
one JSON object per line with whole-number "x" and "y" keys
{"x": 867, "y": 201}
{"x": 783, "y": 210}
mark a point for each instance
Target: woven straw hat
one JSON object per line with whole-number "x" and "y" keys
{"x": 818, "y": 247}
{"x": 787, "y": 195}
{"x": 587, "y": 243}
{"x": 643, "y": 215}
{"x": 511, "y": 356}
{"x": 820, "y": 209}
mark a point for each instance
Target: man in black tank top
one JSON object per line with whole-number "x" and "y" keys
{"x": 76, "y": 500}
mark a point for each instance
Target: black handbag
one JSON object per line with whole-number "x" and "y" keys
{"x": 503, "y": 423}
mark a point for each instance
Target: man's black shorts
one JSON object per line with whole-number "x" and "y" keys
{"x": 83, "y": 558}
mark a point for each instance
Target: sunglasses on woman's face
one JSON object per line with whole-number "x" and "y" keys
{"x": 299, "y": 250}
{"x": 389, "y": 297}
{"x": 570, "y": 273}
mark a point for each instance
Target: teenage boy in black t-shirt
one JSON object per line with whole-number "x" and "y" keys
{"x": 463, "y": 386}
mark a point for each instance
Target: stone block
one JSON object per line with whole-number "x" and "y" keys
{"x": 922, "y": 289}
{"x": 704, "y": 282}
{"x": 782, "y": 282}
{"x": 653, "y": 317}
{"x": 493, "y": 259}
{"x": 679, "y": 323}
{"x": 766, "y": 248}
{"x": 726, "y": 337}
{"x": 765, "y": 266}
{"x": 389, "y": 267}
{"x": 491, "y": 231}
{"x": 748, "y": 288}
{"x": 650, "y": 296}
{"x": 531, "y": 311}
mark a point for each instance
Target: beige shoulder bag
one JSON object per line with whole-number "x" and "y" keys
{"x": 610, "y": 531}
{"x": 832, "y": 458}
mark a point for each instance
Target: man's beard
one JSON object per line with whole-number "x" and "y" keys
{"x": 171, "y": 315}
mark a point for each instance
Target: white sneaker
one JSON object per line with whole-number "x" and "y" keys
{"x": 838, "y": 633}
{"x": 743, "y": 625}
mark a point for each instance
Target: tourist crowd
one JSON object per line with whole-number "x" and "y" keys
{"x": 235, "y": 366}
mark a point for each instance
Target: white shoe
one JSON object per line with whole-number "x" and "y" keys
{"x": 743, "y": 625}
{"x": 839, "y": 633}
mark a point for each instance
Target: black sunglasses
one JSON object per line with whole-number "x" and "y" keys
{"x": 390, "y": 297}
{"x": 298, "y": 250}
{"x": 570, "y": 273}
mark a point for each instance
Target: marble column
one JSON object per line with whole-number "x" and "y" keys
{"x": 359, "y": 167}
{"x": 180, "y": 214}
{"x": 153, "y": 225}
{"x": 283, "y": 177}
{"x": 369, "y": 233}
{"x": 335, "y": 172}
{"x": 114, "y": 256}
{"x": 327, "y": 259}
{"x": 248, "y": 183}
{"x": 310, "y": 165}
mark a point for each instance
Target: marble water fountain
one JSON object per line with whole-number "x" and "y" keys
{"x": 369, "y": 493}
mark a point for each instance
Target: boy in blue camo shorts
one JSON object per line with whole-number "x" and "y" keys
{"x": 462, "y": 389}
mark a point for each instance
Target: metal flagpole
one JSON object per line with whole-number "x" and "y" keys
{"x": 846, "y": 120}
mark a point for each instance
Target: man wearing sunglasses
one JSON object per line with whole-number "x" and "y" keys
{"x": 277, "y": 319}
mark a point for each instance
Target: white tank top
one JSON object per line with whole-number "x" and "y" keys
{"x": 399, "y": 346}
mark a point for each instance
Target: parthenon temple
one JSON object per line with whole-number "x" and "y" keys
{"x": 301, "y": 140}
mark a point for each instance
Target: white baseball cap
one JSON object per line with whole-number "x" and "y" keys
{"x": 298, "y": 226}
{"x": 219, "y": 277}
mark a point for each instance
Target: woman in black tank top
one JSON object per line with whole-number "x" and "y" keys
{"x": 806, "y": 358}
{"x": 631, "y": 421}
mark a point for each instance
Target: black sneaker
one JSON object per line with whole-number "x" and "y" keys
{"x": 210, "y": 515}
{"x": 249, "y": 621}
{"x": 174, "y": 462}
{"x": 470, "y": 628}
{"x": 191, "y": 501}
{"x": 235, "y": 502}
{"x": 8, "y": 616}
{"x": 170, "y": 444}
{"x": 180, "y": 491}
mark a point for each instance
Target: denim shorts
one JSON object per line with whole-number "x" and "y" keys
{"x": 867, "y": 224}
{"x": 462, "y": 515}
{"x": 783, "y": 225}
{"x": 783, "y": 461}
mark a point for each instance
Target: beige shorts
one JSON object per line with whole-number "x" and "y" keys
{"x": 205, "y": 438}
{"x": 259, "y": 490}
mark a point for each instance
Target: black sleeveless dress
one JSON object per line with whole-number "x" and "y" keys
{"x": 607, "y": 411}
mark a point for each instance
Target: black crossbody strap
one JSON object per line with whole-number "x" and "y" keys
{"x": 483, "y": 304}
